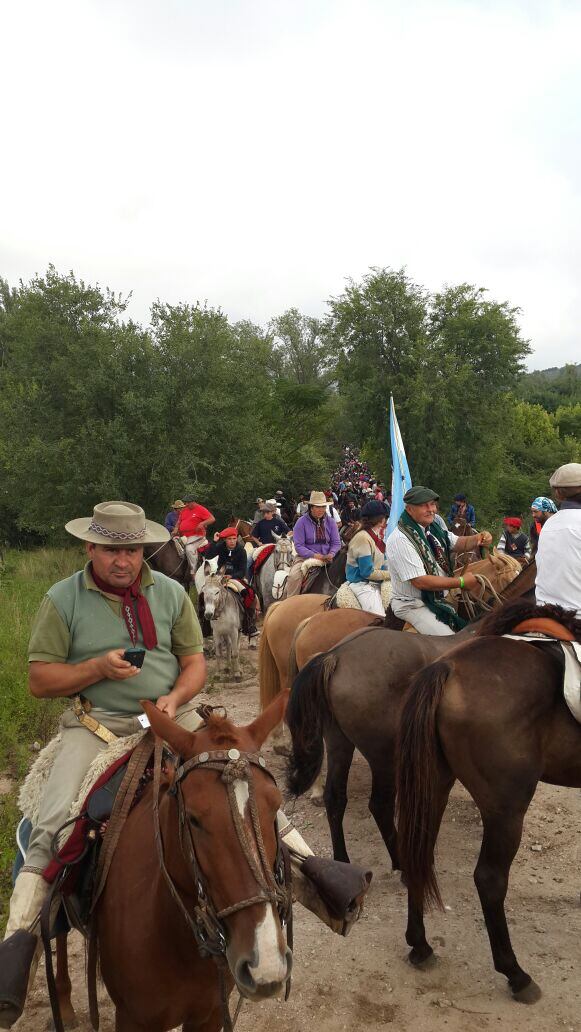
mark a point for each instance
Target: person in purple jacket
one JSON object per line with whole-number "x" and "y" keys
{"x": 315, "y": 537}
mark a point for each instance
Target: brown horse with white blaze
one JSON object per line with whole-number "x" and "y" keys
{"x": 150, "y": 961}
{"x": 491, "y": 714}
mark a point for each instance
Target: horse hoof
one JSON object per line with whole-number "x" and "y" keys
{"x": 423, "y": 958}
{"x": 238, "y": 678}
{"x": 317, "y": 800}
{"x": 530, "y": 994}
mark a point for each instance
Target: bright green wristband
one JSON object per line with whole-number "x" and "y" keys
{"x": 462, "y": 582}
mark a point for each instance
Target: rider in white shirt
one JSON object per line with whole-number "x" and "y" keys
{"x": 559, "y": 552}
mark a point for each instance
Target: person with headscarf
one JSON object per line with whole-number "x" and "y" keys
{"x": 542, "y": 508}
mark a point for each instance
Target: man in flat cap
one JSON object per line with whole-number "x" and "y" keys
{"x": 418, "y": 555}
{"x": 559, "y": 551}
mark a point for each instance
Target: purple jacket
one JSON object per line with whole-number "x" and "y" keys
{"x": 304, "y": 532}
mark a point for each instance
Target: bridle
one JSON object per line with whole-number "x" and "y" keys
{"x": 275, "y": 887}
{"x": 280, "y": 558}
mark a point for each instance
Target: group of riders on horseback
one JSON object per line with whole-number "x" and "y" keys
{"x": 91, "y": 626}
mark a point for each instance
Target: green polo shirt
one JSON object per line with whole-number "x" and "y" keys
{"x": 76, "y": 621}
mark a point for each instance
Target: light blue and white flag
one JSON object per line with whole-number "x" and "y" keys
{"x": 401, "y": 480}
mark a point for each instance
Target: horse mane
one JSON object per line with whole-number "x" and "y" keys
{"x": 505, "y": 618}
{"x": 222, "y": 730}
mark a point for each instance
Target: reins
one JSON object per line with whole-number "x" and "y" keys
{"x": 274, "y": 888}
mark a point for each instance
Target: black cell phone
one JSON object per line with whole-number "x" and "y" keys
{"x": 134, "y": 656}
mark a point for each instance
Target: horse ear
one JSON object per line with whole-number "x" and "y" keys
{"x": 260, "y": 728}
{"x": 276, "y": 537}
{"x": 178, "y": 739}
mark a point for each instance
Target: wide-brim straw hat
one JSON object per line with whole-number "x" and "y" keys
{"x": 117, "y": 523}
{"x": 318, "y": 498}
{"x": 178, "y": 504}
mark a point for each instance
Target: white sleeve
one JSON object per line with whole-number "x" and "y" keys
{"x": 501, "y": 546}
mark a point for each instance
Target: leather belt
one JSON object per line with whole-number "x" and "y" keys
{"x": 90, "y": 723}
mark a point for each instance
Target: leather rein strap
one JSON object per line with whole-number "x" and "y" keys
{"x": 275, "y": 888}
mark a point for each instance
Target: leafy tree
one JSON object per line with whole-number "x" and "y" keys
{"x": 300, "y": 351}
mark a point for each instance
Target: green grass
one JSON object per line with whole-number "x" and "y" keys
{"x": 24, "y": 579}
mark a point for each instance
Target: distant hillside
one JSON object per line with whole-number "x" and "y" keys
{"x": 552, "y": 387}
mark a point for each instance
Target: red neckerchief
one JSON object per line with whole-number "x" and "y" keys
{"x": 143, "y": 615}
{"x": 378, "y": 541}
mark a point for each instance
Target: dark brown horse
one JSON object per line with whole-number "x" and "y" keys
{"x": 150, "y": 962}
{"x": 349, "y": 697}
{"x": 491, "y": 714}
{"x": 166, "y": 559}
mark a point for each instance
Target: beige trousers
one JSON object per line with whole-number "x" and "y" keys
{"x": 295, "y": 578}
{"x": 79, "y": 747}
{"x": 420, "y": 617}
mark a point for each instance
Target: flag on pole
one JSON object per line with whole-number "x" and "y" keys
{"x": 400, "y": 474}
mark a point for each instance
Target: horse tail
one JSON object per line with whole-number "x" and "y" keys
{"x": 418, "y": 800}
{"x": 293, "y": 668}
{"x": 307, "y": 713}
{"x": 268, "y": 675}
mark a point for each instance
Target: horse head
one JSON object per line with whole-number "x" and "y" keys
{"x": 230, "y": 804}
{"x": 206, "y": 569}
{"x": 283, "y": 552}
{"x": 214, "y": 590}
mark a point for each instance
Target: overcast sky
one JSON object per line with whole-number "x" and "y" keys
{"x": 257, "y": 153}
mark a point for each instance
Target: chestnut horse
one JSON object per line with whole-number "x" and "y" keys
{"x": 491, "y": 714}
{"x": 223, "y": 802}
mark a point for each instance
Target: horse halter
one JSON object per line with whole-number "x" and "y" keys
{"x": 274, "y": 887}
{"x": 280, "y": 559}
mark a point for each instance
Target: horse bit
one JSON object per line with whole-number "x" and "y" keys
{"x": 275, "y": 887}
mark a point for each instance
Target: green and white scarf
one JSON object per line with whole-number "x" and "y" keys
{"x": 416, "y": 535}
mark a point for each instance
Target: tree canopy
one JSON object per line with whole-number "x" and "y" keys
{"x": 95, "y": 406}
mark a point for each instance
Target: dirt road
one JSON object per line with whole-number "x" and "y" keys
{"x": 364, "y": 982}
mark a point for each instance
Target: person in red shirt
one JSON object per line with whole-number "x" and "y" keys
{"x": 191, "y": 528}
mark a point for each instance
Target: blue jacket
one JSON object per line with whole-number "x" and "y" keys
{"x": 469, "y": 515}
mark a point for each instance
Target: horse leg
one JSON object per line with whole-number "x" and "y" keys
{"x": 63, "y": 982}
{"x": 317, "y": 790}
{"x": 415, "y": 934}
{"x": 235, "y": 652}
{"x": 500, "y": 842}
{"x": 382, "y": 803}
{"x": 339, "y": 756}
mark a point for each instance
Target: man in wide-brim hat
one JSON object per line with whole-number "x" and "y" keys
{"x": 419, "y": 558}
{"x": 315, "y": 537}
{"x": 171, "y": 518}
{"x": 559, "y": 551}
{"x": 83, "y": 628}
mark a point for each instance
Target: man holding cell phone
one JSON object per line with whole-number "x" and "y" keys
{"x": 110, "y": 635}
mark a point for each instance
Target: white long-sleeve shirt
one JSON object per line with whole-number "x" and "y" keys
{"x": 559, "y": 560}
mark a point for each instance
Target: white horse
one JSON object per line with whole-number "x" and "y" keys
{"x": 222, "y": 609}
{"x": 270, "y": 581}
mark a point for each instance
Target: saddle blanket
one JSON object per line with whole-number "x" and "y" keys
{"x": 347, "y": 600}
{"x": 572, "y": 669}
{"x": 262, "y": 555}
{"x": 72, "y": 839}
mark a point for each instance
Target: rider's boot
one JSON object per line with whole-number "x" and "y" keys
{"x": 250, "y": 627}
{"x": 331, "y": 890}
{"x": 21, "y": 949}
